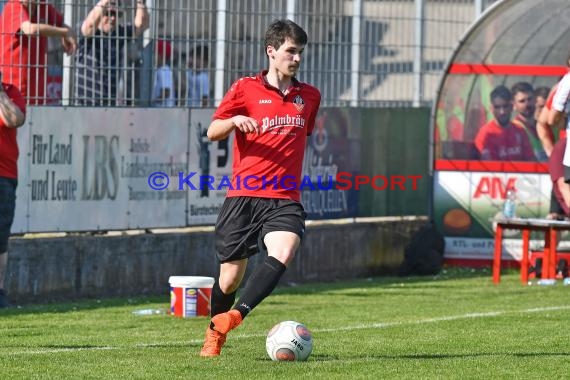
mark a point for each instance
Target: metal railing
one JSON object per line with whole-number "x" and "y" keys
{"x": 371, "y": 53}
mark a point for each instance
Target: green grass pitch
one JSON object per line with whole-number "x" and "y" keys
{"x": 457, "y": 325}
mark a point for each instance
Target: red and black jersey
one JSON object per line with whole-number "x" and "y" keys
{"x": 269, "y": 164}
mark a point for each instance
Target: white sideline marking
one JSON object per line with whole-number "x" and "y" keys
{"x": 346, "y": 328}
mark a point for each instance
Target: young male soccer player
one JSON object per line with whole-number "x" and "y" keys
{"x": 271, "y": 115}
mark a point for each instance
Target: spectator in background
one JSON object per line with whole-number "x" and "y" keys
{"x": 163, "y": 89}
{"x": 197, "y": 78}
{"x": 24, "y": 28}
{"x": 524, "y": 105}
{"x": 12, "y": 116}
{"x": 540, "y": 98}
{"x": 500, "y": 139}
{"x": 101, "y": 53}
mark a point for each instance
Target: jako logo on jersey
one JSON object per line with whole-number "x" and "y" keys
{"x": 299, "y": 103}
{"x": 264, "y": 101}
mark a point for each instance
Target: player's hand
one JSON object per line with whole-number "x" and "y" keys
{"x": 246, "y": 124}
{"x": 69, "y": 42}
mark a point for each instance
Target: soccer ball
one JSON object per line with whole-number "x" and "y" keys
{"x": 289, "y": 341}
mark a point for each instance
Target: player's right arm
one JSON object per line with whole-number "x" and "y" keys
{"x": 220, "y": 129}
{"x": 231, "y": 114}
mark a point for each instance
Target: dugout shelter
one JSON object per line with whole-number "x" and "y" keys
{"x": 513, "y": 41}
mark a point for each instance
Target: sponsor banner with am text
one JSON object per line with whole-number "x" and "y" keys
{"x": 466, "y": 205}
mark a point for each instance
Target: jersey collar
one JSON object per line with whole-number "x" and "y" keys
{"x": 295, "y": 84}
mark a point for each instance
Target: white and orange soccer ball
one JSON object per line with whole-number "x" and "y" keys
{"x": 289, "y": 341}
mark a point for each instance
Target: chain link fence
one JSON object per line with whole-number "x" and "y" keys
{"x": 372, "y": 53}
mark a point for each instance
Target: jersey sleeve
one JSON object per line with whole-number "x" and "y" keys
{"x": 233, "y": 103}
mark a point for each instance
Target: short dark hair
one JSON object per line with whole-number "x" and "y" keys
{"x": 501, "y": 92}
{"x": 279, "y": 30}
{"x": 524, "y": 87}
{"x": 542, "y": 92}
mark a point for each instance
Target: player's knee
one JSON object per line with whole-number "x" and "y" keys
{"x": 229, "y": 284}
{"x": 285, "y": 257}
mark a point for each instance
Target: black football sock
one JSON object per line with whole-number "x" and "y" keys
{"x": 260, "y": 284}
{"x": 220, "y": 302}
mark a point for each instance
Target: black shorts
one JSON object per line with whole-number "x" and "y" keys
{"x": 243, "y": 223}
{"x": 7, "y": 207}
{"x": 566, "y": 174}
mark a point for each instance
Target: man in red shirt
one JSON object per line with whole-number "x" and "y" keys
{"x": 24, "y": 28}
{"x": 500, "y": 139}
{"x": 271, "y": 116}
{"x": 12, "y": 116}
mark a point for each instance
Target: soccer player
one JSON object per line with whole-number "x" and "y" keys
{"x": 271, "y": 115}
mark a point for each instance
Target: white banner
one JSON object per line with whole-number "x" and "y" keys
{"x": 208, "y": 164}
{"x": 88, "y": 169}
